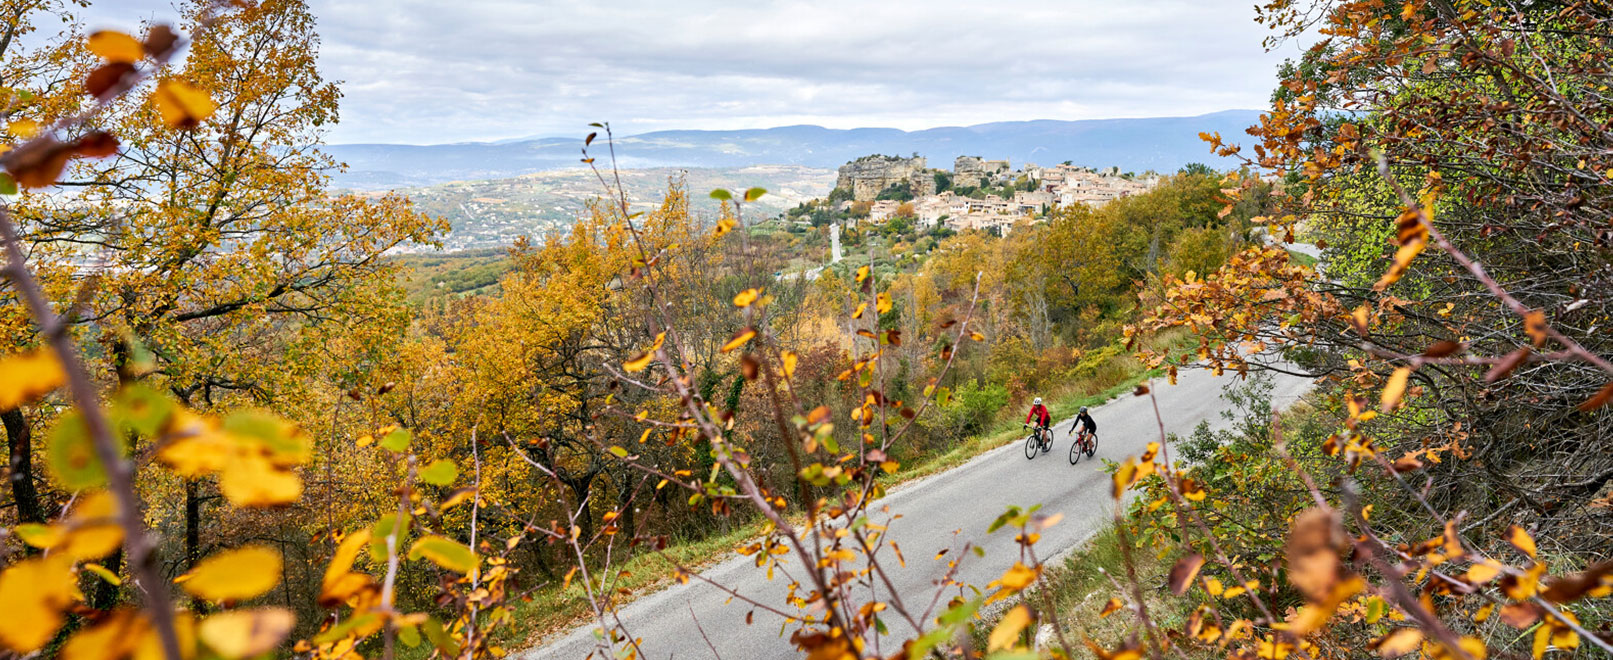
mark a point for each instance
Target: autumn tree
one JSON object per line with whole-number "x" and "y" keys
{"x": 221, "y": 263}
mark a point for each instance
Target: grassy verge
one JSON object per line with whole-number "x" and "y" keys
{"x": 1083, "y": 583}
{"x": 553, "y": 610}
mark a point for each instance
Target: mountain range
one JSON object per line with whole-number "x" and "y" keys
{"x": 1162, "y": 144}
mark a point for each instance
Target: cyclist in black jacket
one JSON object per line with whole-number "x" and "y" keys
{"x": 1083, "y": 419}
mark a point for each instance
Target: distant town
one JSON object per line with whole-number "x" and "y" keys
{"x": 980, "y": 194}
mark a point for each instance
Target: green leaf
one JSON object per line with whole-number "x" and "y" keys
{"x": 37, "y": 535}
{"x": 440, "y": 638}
{"x": 381, "y": 530}
{"x": 8, "y": 185}
{"x": 754, "y": 194}
{"x": 961, "y": 612}
{"x": 722, "y": 194}
{"x": 409, "y": 635}
{"x": 444, "y": 552}
{"x": 618, "y": 452}
{"x": 269, "y": 430}
{"x": 441, "y": 472}
{"x": 397, "y": 441}
{"x": 70, "y": 454}
{"x": 341, "y": 630}
{"x": 141, "y": 409}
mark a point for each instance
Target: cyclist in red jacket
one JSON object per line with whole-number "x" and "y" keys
{"x": 1039, "y": 413}
{"x": 1044, "y": 422}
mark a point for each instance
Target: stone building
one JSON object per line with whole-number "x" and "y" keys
{"x": 866, "y": 177}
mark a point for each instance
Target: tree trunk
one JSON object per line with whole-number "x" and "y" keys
{"x": 193, "y": 524}
{"x": 579, "y": 491}
{"x": 105, "y": 595}
{"x": 22, "y": 467}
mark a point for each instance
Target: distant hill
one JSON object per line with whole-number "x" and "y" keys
{"x": 1161, "y": 144}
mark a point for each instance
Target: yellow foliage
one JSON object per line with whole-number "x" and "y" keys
{"x": 35, "y": 592}
{"x": 234, "y": 575}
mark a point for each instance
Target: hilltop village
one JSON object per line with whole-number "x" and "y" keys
{"x": 976, "y": 194}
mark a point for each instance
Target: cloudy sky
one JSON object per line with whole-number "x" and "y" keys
{"x": 433, "y": 71}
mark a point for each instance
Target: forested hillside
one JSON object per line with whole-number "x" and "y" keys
{"x": 237, "y": 430}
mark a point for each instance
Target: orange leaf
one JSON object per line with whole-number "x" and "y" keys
{"x": 739, "y": 339}
{"x": 1534, "y": 323}
{"x": 1395, "y": 388}
{"x": 115, "y": 46}
{"x": 1600, "y": 399}
{"x": 181, "y": 105}
{"x": 1184, "y": 571}
{"x": 1521, "y": 540}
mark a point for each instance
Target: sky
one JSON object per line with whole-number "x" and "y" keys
{"x": 440, "y": 71}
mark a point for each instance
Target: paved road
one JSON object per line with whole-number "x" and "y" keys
{"x": 965, "y": 498}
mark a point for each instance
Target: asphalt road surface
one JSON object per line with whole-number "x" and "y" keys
{"x": 937, "y": 512}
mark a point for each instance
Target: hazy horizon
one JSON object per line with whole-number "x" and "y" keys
{"x": 583, "y": 131}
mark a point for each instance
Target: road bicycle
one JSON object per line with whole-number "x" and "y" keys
{"x": 1040, "y": 438}
{"x": 1086, "y": 442}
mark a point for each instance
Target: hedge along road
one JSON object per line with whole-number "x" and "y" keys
{"x": 938, "y": 512}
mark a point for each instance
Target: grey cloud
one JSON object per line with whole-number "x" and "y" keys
{"x": 424, "y": 71}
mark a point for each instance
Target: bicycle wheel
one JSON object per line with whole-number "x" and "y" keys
{"x": 1075, "y": 451}
{"x": 1031, "y": 446}
{"x": 1092, "y": 444}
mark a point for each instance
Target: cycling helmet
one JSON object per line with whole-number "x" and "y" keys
{"x": 1083, "y": 409}
{"x": 1037, "y": 402}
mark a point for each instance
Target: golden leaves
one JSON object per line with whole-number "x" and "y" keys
{"x": 1521, "y": 540}
{"x": 1007, "y": 630}
{"x": 642, "y": 360}
{"x": 1483, "y": 571}
{"x": 1398, "y": 642}
{"x": 92, "y": 530}
{"x": 181, "y": 105}
{"x": 746, "y": 297}
{"x": 790, "y": 359}
{"x": 25, "y": 377}
{"x": 1395, "y": 388}
{"x": 35, "y": 592}
{"x": 1124, "y": 477}
{"x": 252, "y": 453}
{"x": 115, "y": 46}
{"x": 246, "y": 633}
{"x": 638, "y": 363}
{"x": 234, "y": 575}
{"x": 1413, "y": 237}
{"x": 739, "y": 339}
{"x": 251, "y": 480}
{"x": 444, "y": 552}
{"x": 1014, "y": 580}
{"x": 340, "y": 582}
{"x": 125, "y": 633}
